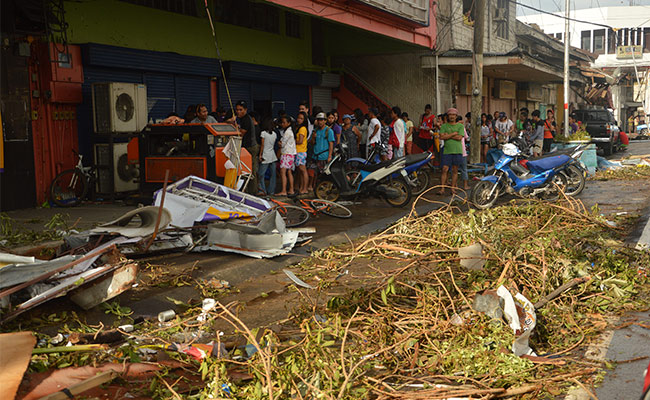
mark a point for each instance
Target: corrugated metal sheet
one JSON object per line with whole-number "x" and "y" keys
{"x": 260, "y": 91}
{"x": 192, "y": 90}
{"x": 415, "y": 10}
{"x": 99, "y": 55}
{"x": 291, "y": 95}
{"x": 161, "y": 95}
{"x": 321, "y": 96}
{"x": 252, "y": 72}
{"x": 239, "y": 90}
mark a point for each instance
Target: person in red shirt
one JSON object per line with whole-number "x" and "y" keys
{"x": 426, "y": 126}
{"x": 549, "y": 131}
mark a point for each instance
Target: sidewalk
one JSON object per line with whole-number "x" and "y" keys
{"x": 82, "y": 217}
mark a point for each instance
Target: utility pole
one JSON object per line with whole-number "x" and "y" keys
{"x": 566, "y": 69}
{"x": 477, "y": 81}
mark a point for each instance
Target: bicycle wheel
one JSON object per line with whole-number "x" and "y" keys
{"x": 68, "y": 188}
{"x": 330, "y": 208}
{"x": 292, "y": 215}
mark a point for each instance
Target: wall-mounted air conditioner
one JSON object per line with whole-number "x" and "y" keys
{"x": 124, "y": 174}
{"x": 119, "y": 107}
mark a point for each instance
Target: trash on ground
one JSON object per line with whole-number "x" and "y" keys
{"x": 268, "y": 238}
{"x": 147, "y": 217}
{"x": 195, "y": 199}
{"x": 471, "y": 257}
{"x": 16, "y": 349}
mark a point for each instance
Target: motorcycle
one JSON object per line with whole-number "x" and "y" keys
{"x": 574, "y": 171}
{"x": 542, "y": 177}
{"x": 417, "y": 177}
{"x": 387, "y": 180}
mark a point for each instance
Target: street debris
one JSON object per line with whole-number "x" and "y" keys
{"x": 16, "y": 349}
{"x": 195, "y": 199}
{"x": 147, "y": 217}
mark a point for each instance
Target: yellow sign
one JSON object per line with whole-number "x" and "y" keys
{"x": 629, "y": 52}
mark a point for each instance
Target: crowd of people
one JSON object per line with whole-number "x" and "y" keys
{"x": 298, "y": 148}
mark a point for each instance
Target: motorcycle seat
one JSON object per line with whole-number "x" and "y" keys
{"x": 546, "y": 163}
{"x": 375, "y": 167}
{"x": 416, "y": 158}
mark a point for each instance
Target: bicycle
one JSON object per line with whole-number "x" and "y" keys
{"x": 297, "y": 215}
{"x": 70, "y": 187}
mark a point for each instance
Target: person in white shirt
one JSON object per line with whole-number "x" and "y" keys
{"x": 399, "y": 129}
{"x": 288, "y": 151}
{"x": 268, "y": 158}
{"x": 503, "y": 128}
{"x": 374, "y": 130}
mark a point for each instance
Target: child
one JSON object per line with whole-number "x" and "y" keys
{"x": 268, "y": 159}
{"x": 288, "y": 150}
{"x": 302, "y": 132}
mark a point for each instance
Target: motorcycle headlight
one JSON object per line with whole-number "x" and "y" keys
{"x": 510, "y": 149}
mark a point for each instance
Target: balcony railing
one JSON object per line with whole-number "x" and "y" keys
{"x": 415, "y": 10}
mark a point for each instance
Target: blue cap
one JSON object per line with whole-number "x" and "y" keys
{"x": 347, "y": 116}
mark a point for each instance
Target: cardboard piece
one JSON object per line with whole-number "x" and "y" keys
{"x": 15, "y": 353}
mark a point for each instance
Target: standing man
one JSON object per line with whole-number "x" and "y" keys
{"x": 453, "y": 134}
{"x": 537, "y": 136}
{"x": 399, "y": 130}
{"x": 426, "y": 126}
{"x": 249, "y": 141}
{"x": 374, "y": 130}
{"x": 323, "y": 140}
{"x": 409, "y": 133}
{"x": 202, "y": 116}
{"x": 503, "y": 128}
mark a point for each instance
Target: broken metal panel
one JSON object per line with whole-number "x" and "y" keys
{"x": 105, "y": 288}
{"x": 194, "y": 199}
{"x": 16, "y": 274}
{"x": 9, "y": 259}
{"x": 148, "y": 216}
{"x": 163, "y": 242}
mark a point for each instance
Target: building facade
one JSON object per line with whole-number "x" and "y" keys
{"x": 274, "y": 54}
{"x": 619, "y": 38}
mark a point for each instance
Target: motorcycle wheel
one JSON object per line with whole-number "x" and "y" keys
{"x": 575, "y": 180}
{"x": 480, "y": 195}
{"x": 326, "y": 190}
{"x": 405, "y": 192}
{"x": 557, "y": 185}
{"x": 421, "y": 180}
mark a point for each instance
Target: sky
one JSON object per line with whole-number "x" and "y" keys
{"x": 558, "y": 5}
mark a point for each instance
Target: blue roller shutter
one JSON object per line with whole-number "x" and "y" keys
{"x": 291, "y": 95}
{"x": 161, "y": 96}
{"x": 239, "y": 90}
{"x": 192, "y": 90}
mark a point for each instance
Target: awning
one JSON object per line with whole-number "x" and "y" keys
{"x": 519, "y": 68}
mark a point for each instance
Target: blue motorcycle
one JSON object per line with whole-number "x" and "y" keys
{"x": 542, "y": 177}
{"x": 418, "y": 179}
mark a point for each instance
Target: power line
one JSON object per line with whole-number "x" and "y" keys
{"x": 559, "y": 16}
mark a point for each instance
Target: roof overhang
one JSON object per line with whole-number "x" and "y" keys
{"x": 513, "y": 68}
{"x": 368, "y": 18}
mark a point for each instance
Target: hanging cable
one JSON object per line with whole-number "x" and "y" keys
{"x": 216, "y": 45}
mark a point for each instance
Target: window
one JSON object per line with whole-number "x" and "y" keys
{"x": 468, "y": 12}
{"x": 501, "y": 16}
{"x": 585, "y": 40}
{"x": 599, "y": 41}
{"x": 248, "y": 14}
{"x": 292, "y": 25}
{"x": 646, "y": 40}
{"x": 559, "y": 36}
{"x": 186, "y": 7}
{"x": 612, "y": 41}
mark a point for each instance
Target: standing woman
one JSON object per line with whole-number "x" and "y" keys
{"x": 486, "y": 132}
{"x": 268, "y": 158}
{"x": 302, "y": 123}
{"x": 350, "y": 136}
{"x": 549, "y": 131}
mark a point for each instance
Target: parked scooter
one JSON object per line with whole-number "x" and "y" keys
{"x": 574, "y": 171}
{"x": 374, "y": 179}
{"x": 417, "y": 173}
{"x": 543, "y": 178}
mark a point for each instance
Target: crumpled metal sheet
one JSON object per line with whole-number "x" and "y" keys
{"x": 148, "y": 216}
{"x": 268, "y": 238}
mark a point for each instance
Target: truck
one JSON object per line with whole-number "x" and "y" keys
{"x": 602, "y": 127}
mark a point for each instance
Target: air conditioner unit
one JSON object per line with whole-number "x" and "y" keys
{"x": 505, "y": 89}
{"x": 119, "y": 107}
{"x": 125, "y": 175}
